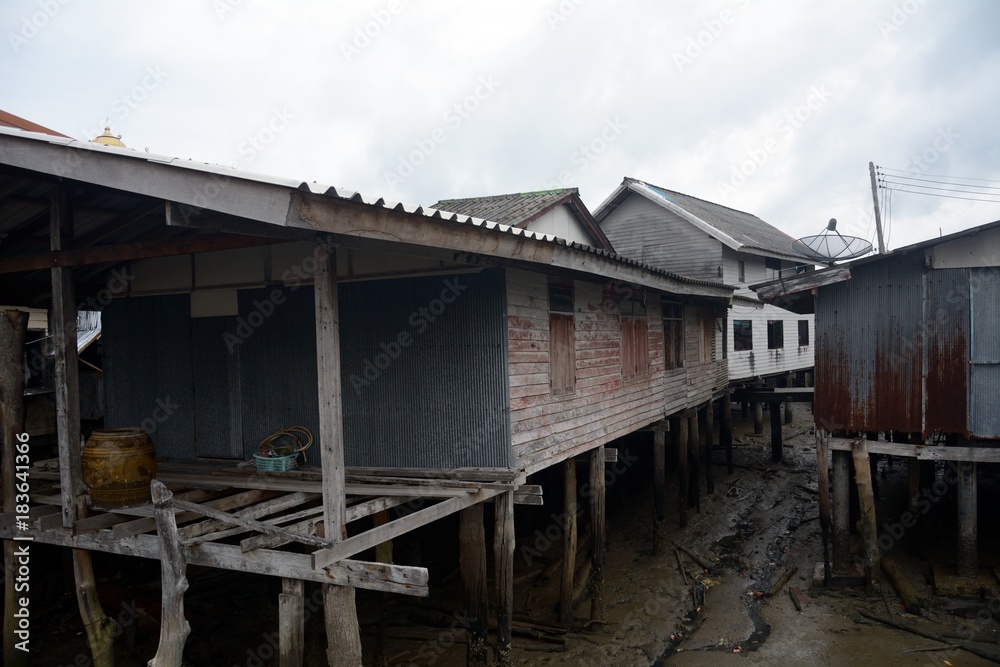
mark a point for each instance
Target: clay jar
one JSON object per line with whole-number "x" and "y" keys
{"x": 118, "y": 465}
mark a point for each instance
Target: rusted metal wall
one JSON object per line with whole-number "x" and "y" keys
{"x": 946, "y": 330}
{"x": 984, "y": 288}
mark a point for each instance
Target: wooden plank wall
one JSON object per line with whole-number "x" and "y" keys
{"x": 547, "y": 428}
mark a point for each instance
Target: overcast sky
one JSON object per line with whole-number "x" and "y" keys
{"x": 774, "y": 108}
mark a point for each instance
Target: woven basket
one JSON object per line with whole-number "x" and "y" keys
{"x": 276, "y": 463}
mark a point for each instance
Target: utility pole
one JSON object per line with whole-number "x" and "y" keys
{"x": 878, "y": 213}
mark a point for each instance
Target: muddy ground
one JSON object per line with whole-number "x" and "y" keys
{"x": 760, "y": 524}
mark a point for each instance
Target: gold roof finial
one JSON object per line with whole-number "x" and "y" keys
{"x": 109, "y": 139}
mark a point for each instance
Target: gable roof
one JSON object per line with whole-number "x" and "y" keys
{"x": 10, "y": 120}
{"x": 736, "y": 229}
{"x": 520, "y": 209}
{"x": 122, "y": 184}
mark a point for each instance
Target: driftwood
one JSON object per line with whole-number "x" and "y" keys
{"x": 907, "y": 593}
{"x": 174, "y": 628}
{"x": 991, "y": 656}
{"x": 785, "y": 578}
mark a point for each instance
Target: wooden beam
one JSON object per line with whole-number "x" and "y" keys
{"x": 123, "y": 252}
{"x": 709, "y": 446}
{"x": 659, "y": 478}
{"x": 570, "y": 512}
{"x": 683, "y": 472}
{"x": 823, "y": 485}
{"x": 694, "y": 460}
{"x": 841, "y": 509}
{"x": 251, "y": 524}
{"x": 291, "y": 623}
{"x": 776, "y": 446}
{"x": 923, "y": 452}
{"x": 868, "y": 525}
{"x": 503, "y": 557}
{"x": 402, "y": 525}
{"x": 726, "y": 428}
{"x": 599, "y": 530}
{"x": 174, "y": 628}
{"x": 472, "y": 563}
{"x": 968, "y": 535}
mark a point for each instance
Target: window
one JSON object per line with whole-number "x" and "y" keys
{"x": 635, "y": 338}
{"x": 775, "y": 334}
{"x": 773, "y": 267}
{"x": 742, "y": 271}
{"x": 803, "y": 333}
{"x": 673, "y": 336}
{"x": 562, "y": 345}
{"x": 742, "y": 335}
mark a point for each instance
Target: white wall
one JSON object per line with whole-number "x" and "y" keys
{"x": 561, "y": 222}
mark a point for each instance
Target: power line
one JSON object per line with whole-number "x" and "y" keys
{"x": 935, "y": 194}
{"x": 918, "y": 173}
{"x": 928, "y": 180}
{"x": 931, "y": 187}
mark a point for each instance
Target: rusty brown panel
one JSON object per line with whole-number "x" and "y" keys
{"x": 947, "y": 332}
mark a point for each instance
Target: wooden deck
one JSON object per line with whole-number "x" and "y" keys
{"x": 272, "y": 523}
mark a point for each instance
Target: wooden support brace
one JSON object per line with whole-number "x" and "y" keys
{"x": 174, "y": 628}
{"x": 291, "y": 623}
{"x": 869, "y": 529}
{"x": 571, "y": 512}
{"x": 599, "y": 531}
{"x": 472, "y": 561}
{"x": 503, "y": 556}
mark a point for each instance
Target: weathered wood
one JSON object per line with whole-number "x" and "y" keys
{"x": 789, "y": 412}
{"x": 174, "y": 628}
{"x": 868, "y": 525}
{"x": 383, "y": 554}
{"x": 251, "y": 524}
{"x": 503, "y": 557}
{"x": 148, "y": 523}
{"x": 776, "y": 451}
{"x": 726, "y": 429}
{"x": 255, "y": 511}
{"x": 709, "y": 440}
{"x": 472, "y": 562}
{"x": 343, "y": 634}
{"x": 967, "y": 548}
{"x": 598, "y": 531}
{"x": 98, "y": 626}
{"x": 841, "y": 511}
{"x": 405, "y": 524}
{"x": 823, "y": 485}
{"x": 291, "y": 623}
{"x": 682, "y": 470}
{"x": 659, "y": 480}
{"x": 758, "y": 418}
{"x": 912, "y": 601}
{"x": 570, "y": 513}
{"x": 924, "y": 452}
{"x": 13, "y": 330}
{"x": 304, "y": 521}
{"x": 694, "y": 460}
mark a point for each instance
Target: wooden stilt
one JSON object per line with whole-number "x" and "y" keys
{"x": 682, "y": 470}
{"x": 694, "y": 460}
{"x": 744, "y": 409}
{"x": 841, "y": 511}
{"x": 789, "y": 412}
{"x": 174, "y": 628}
{"x": 726, "y": 429}
{"x": 598, "y": 528}
{"x": 503, "y": 556}
{"x": 659, "y": 487}
{"x": 291, "y": 623}
{"x": 913, "y": 496}
{"x": 823, "y": 484}
{"x": 13, "y": 329}
{"x": 570, "y": 511}
{"x": 342, "y": 630}
{"x": 472, "y": 560}
{"x": 383, "y": 554}
{"x": 968, "y": 563}
{"x": 776, "y": 453}
{"x": 758, "y": 418}
{"x": 709, "y": 446}
{"x": 866, "y": 499}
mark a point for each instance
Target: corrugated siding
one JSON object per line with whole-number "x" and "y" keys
{"x": 425, "y": 372}
{"x": 869, "y": 338}
{"x": 985, "y": 383}
{"x": 546, "y": 428}
{"x": 946, "y": 333}
{"x": 147, "y": 369}
{"x": 640, "y": 229}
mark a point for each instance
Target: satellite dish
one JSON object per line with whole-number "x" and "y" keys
{"x": 831, "y": 245}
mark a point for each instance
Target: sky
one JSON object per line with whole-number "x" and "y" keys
{"x": 775, "y": 108}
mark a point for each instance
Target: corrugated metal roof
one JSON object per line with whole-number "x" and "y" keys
{"x": 737, "y": 229}
{"x": 346, "y": 194}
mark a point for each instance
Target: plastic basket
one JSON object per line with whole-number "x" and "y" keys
{"x": 276, "y": 463}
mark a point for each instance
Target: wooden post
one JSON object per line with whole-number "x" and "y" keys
{"x": 709, "y": 446}
{"x": 841, "y": 511}
{"x": 598, "y": 529}
{"x": 968, "y": 564}
{"x": 694, "y": 460}
{"x": 866, "y": 499}
{"x": 913, "y": 495}
{"x": 342, "y": 630}
{"x": 291, "y": 623}
{"x": 174, "y": 628}
{"x": 758, "y": 418}
{"x": 789, "y": 413}
{"x": 659, "y": 487}
{"x": 503, "y": 556}
{"x": 472, "y": 561}
{"x": 823, "y": 484}
{"x": 13, "y": 330}
{"x": 569, "y": 541}
{"x": 383, "y": 554}
{"x": 682, "y": 470}
{"x": 726, "y": 429}
{"x": 776, "y": 453}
